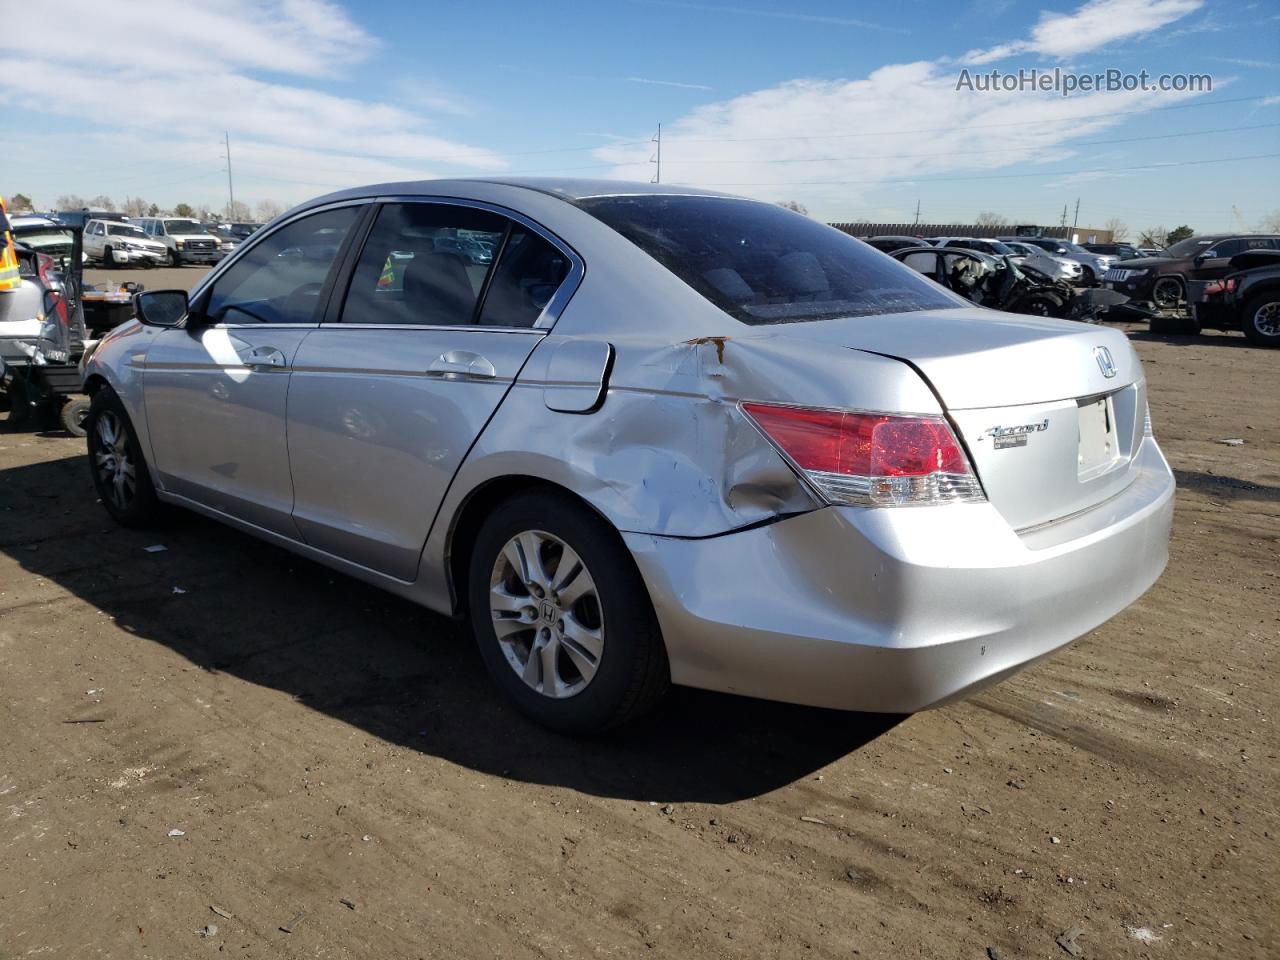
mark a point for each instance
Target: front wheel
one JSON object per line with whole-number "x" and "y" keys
{"x": 173, "y": 258}
{"x": 562, "y": 616}
{"x": 1167, "y": 292}
{"x": 1261, "y": 320}
{"x": 120, "y": 473}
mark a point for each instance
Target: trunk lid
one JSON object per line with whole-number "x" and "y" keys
{"x": 1051, "y": 411}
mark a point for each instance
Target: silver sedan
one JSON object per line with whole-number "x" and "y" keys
{"x": 642, "y": 435}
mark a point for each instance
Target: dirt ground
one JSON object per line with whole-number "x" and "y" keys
{"x": 346, "y": 783}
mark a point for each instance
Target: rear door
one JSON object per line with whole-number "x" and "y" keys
{"x": 445, "y": 303}
{"x": 216, "y": 391}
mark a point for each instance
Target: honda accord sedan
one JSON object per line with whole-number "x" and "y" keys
{"x": 658, "y": 435}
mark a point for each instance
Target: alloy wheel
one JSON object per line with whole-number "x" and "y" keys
{"x": 116, "y": 470}
{"x": 1167, "y": 292}
{"x": 1266, "y": 319}
{"x": 546, "y": 614}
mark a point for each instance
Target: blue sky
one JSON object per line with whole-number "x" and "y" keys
{"x": 850, "y": 108}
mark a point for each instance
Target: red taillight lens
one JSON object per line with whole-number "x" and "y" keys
{"x": 45, "y": 268}
{"x": 871, "y": 457}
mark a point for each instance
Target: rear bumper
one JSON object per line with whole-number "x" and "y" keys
{"x": 897, "y": 610}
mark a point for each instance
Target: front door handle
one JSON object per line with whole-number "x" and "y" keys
{"x": 461, "y": 365}
{"x": 264, "y": 357}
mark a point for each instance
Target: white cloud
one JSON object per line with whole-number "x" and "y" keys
{"x": 829, "y": 144}
{"x": 1094, "y": 25}
{"x": 164, "y": 80}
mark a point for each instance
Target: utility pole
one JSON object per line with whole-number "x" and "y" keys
{"x": 657, "y": 176}
{"x": 1064, "y": 216}
{"x": 1075, "y": 221}
{"x": 231, "y": 193}
{"x": 917, "y": 223}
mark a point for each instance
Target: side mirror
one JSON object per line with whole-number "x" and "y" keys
{"x": 160, "y": 308}
{"x": 1202, "y": 257}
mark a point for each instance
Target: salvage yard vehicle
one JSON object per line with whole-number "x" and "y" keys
{"x": 888, "y": 244}
{"x": 42, "y": 337}
{"x": 1163, "y": 280}
{"x": 1247, "y": 299}
{"x": 1059, "y": 268}
{"x": 186, "y": 240}
{"x": 1120, "y": 251}
{"x": 662, "y": 437}
{"x": 990, "y": 280}
{"x": 1092, "y": 265}
{"x": 116, "y": 244}
{"x": 1023, "y": 254}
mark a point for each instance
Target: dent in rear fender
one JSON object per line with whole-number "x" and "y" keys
{"x": 668, "y": 452}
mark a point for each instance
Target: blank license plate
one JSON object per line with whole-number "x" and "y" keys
{"x": 1098, "y": 448}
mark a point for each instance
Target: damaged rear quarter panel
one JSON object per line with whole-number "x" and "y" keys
{"x": 668, "y": 452}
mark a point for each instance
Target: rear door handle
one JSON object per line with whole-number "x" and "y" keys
{"x": 264, "y": 357}
{"x": 461, "y": 365}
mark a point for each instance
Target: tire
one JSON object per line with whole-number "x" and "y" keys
{"x": 1174, "y": 326}
{"x": 1260, "y": 319}
{"x": 108, "y": 257}
{"x": 1087, "y": 277}
{"x": 73, "y": 415}
{"x": 173, "y": 258}
{"x": 603, "y": 647}
{"x": 1041, "y": 305}
{"x": 1167, "y": 291}
{"x": 125, "y": 488}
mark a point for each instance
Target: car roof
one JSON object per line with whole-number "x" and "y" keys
{"x": 569, "y": 189}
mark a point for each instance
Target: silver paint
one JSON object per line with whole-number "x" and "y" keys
{"x": 364, "y": 449}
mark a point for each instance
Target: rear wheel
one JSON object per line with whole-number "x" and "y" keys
{"x": 19, "y": 402}
{"x": 562, "y": 617}
{"x": 120, "y": 473}
{"x": 1261, "y": 319}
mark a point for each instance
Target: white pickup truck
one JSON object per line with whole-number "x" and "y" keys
{"x": 185, "y": 240}
{"x": 118, "y": 243}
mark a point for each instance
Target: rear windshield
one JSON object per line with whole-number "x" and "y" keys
{"x": 763, "y": 264}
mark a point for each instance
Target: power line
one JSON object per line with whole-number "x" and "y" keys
{"x": 999, "y": 176}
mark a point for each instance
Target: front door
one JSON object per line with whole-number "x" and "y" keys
{"x": 216, "y": 391}
{"x": 386, "y": 401}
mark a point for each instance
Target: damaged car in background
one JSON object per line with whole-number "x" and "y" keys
{"x": 662, "y": 436}
{"x": 1003, "y": 283}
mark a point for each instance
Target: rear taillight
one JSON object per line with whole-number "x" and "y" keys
{"x": 1215, "y": 287}
{"x": 871, "y": 458}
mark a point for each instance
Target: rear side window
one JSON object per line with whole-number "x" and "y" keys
{"x": 424, "y": 263}
{"x": 528, "y": 275}
{"x": 762, "y": 264}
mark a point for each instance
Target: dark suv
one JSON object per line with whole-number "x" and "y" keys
{"x": 1163, "y": 280}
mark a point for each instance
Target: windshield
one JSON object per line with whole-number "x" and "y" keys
{"x": 124, "y": 230}
{"x": 184, "y": 226}
{"x": 44, "y": 239}
{"x": 1190, "y": 246}
{"x": 763, "y": 264}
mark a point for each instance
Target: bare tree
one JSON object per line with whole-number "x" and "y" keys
{"x": 238, "y": 211}
{"x": 71, "y": 201}
{"x": 1119, "y": 229}
{"x": 202, "y": 213}
{"x": 136, "y": 206}
{"x": 1270, "y": 223}
{"x": 268, "y": 210}
{"x": 795, "y": 205}
{"x": 102, "y": 202}
{"x": 987, "y": 218}
{"x": 20, "y": 203}
{"x": 1153, "y": 236}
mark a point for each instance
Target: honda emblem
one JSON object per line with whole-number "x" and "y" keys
{"x": 1105, "y": 363}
